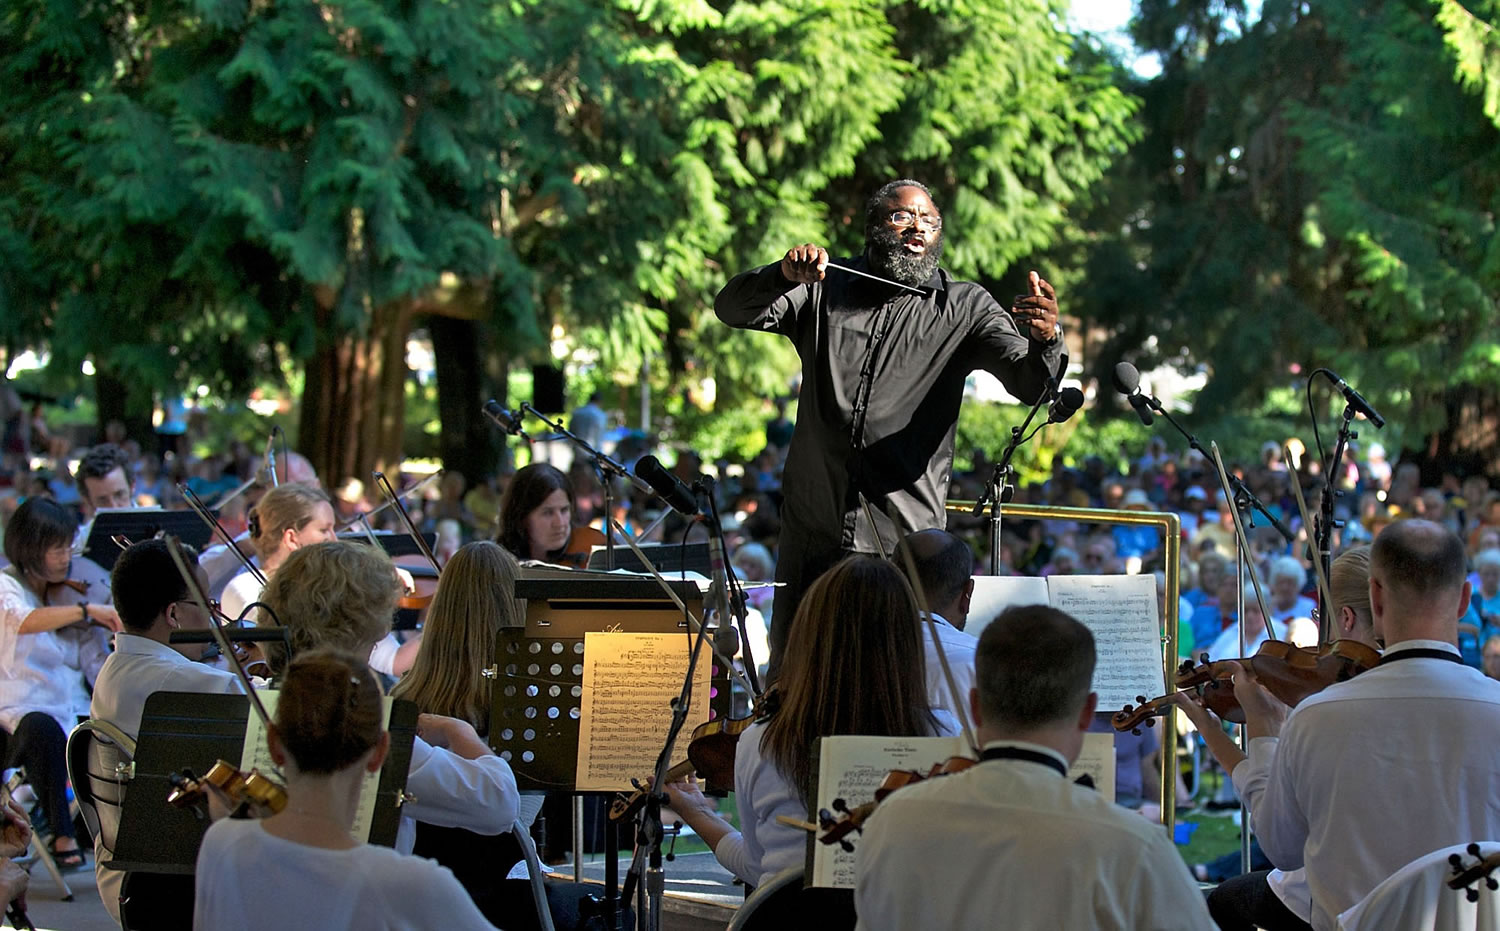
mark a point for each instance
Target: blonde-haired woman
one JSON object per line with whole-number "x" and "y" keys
{"x": 288, "y": 517}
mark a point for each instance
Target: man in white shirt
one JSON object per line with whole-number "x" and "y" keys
{"x": 1012, "y": 841}
{"x": 945, "y": 569}
{"x": 152, "y": 600}
{"x": 1371, "y": 773}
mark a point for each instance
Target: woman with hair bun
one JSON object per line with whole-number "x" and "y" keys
{"x": 303, "y": 867}
{"x": 288, "y": 517}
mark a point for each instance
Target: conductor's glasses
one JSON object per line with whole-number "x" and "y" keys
{"x": 903, "y": 219}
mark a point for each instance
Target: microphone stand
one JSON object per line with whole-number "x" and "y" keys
{"x": 605, "y": 466}
{"x": 1323, "y": 532}
{"x": 999, "y": 489}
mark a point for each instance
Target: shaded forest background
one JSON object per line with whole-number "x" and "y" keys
{"x": 240, "y": 193}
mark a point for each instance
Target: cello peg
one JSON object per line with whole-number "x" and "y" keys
{"x": 1473, "y": 849}
{"x": 840, "y": 806}
{"x": 1140, "y": 699}
{"x": 1136, "y": 731}
{"x": 1492, "y": 883}
{"x": 1457, "y": 862}
{"x": 1471, "y": 894}
{"x": 1150, "y": 722}
{"x": 849, "y": 848}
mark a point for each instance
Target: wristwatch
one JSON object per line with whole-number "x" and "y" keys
{"x": 85, "y": 609}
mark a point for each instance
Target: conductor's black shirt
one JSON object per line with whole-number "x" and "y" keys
{"x": 883, "y": 377}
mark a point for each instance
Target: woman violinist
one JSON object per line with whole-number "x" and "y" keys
{"x": 42, "y": 659}
{"x": 853, "y": 666}
{"x": 536, "y": 518}
{"x": 303, "y": 867}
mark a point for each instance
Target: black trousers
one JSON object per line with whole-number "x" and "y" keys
{"x": 1247, "y": 902}
{"x": 39, "y": 745}
{"x": 799, "y": 562}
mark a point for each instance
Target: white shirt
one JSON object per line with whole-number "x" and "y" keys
{"x": 452, "y": 792}
{"x": 1015, "y": 844}
{"x": 762, "y": 846}
{"x": 247, "y": 878}
{"x": 243, "y": 589}
{"x": 138, "y": 667}
{"x": 1227, "y": 644}
{"x": 959, "y": 647}
{"x": 1371, "y": 773}
{"x": 41, "y": 671}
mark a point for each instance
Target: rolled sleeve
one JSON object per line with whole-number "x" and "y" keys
{"x": 452, "y": 792}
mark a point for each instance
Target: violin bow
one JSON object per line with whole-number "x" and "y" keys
{"x": 1325, "y": 631}
{"x": 197, "y": 506}
{"x": 910, "y": 568}
{"x": 200, "y": 597}
{"x": 366, "y": 515}
{"x": 1239, "y": 532}
{"x": 393, "y": 499}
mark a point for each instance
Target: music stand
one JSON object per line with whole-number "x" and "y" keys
{"x": 191, "y": 730}
{"x": 667, "y": 557}
{"x": 137, "y": 524}
{"x": 538, "y": 671}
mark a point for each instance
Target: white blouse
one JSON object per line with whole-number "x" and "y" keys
{"x": 38, "y": 672}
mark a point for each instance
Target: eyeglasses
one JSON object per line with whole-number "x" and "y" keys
{"x": 905, "y": 219}
{"x": 213, "y": 606}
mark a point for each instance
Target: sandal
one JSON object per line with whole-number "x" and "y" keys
{"x": 67, "y": 860}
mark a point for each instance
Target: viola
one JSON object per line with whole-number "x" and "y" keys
{"x": 249, "y": 793}
{"x": 836, "y": 830}
{"x": 710, "y": 754}
{"x": 1289, "y": 672}
{"x": 581, "y": 543}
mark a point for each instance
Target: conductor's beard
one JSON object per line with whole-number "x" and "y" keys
{"x": 887, "y": 252}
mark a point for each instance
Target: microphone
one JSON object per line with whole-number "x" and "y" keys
{"x": 1355, "y": 400}
{"x": 1065, "y": 405}
{"x": 678, "y": 496}
{"x": 508, "y": 421}
{"x": 1127, "y": 381}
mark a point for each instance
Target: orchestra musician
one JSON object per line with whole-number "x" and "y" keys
{"x": 287, "y": 517}
{"x": 945, "y": 569}
{"x": 153, "y": 600}
{"x": 1371, "y": 773}
{"x": 303, "y": 867}
{"x": 1012, "y": 841}
{"x": 885, "y": 375}
{"x": 44, "y": 651}
{"x": 853, "y": 666}
{"x": 343, "y": 594}
{"x": 1273, "y": 899}
{"x": 536, "y": 518}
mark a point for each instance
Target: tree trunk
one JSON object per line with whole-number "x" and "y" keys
{"x": 466, "y": 443}
{"x": 353, "y": 406}
{"x": 126, "y": 402}
{"x": 1468, "y": 444}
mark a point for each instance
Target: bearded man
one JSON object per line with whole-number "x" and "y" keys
{"x": 883, "y": 376}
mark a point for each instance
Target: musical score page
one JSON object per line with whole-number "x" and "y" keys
{"x": 257, "y": 755}
{"x": 1122, "y": 613}
{"x": 629, "y": 682}
{"x": 1097, "y": 761}
{"x": 852, "y": 768}
{"x": 995, "y": 593}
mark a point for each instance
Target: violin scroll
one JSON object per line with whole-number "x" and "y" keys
{"x": 1468, "y": 878}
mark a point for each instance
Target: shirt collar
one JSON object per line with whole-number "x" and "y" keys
{"x": 1026, "y": 745}
{"x": 1443, "y": 645}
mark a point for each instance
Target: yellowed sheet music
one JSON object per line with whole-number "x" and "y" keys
{"x": 257, "y": 755}
{"x": 629, "y": 681}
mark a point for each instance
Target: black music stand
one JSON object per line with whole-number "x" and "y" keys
{"x": 666, "y": 557}
{"x": 137, "y": 524}
{"x": 538, "y": 671}
{"x": 192, "y": 730}
{"x": 394, "y": 544}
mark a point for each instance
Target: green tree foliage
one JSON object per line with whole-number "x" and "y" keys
{"x": 1314, "y": 188}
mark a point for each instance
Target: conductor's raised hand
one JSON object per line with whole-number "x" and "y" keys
{"x": 804, "y": 264}
{"x": 1036, "y": 311}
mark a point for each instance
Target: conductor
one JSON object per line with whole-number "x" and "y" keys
{"x": 884, "y": 366}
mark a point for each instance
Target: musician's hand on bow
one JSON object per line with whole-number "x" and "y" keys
{"x": 1264, "y": 712}
{"x": 804, "y": 264}
{"x": 1036, "y": 311}
{"x": 15, "y": 837}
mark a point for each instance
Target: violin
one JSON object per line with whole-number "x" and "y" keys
{"x": 581, "y": 543}
{"x": 249, "y": 794}
{"x": 1289, "y": 672}
{"x": 710, "y": 754}
{"x": 836, "y": 830}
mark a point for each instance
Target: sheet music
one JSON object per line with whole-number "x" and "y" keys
{"x": 995, "y": 593}
{"x": 852, "y": 768}
{"x": 629, "y": 682}
{"x": 1097, "y": 761}
{"x": 1121, "y": 612}
{"x": 257, "y": 755}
